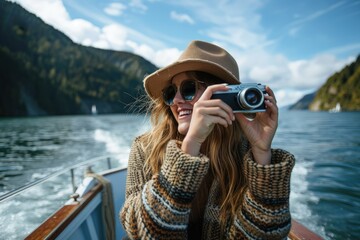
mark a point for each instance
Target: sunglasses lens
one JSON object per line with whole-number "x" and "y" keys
{"x": 188, "y": 90}
{"x": 169, "y": 94}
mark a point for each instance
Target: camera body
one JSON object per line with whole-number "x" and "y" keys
{"x": 243, "y": 98}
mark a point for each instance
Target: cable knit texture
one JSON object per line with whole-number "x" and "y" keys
{"x": 158, "y": 206}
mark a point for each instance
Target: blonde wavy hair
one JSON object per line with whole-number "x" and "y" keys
{"x": 224, "y": 147}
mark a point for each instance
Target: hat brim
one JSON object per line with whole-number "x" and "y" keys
{"x": 157, "y": 81}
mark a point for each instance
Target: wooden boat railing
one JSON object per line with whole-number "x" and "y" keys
{"x": 300, "y": 232}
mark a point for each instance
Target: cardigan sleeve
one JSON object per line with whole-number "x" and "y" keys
{"x": 264, "y": 213}
{"x": 159, "y": 205}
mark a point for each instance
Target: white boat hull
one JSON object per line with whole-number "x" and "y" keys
{"x": 82, "y": 219}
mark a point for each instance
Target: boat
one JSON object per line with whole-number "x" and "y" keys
{"x": 93, "y": 110}
{"x": 336, "y": 109}
{"x": 81, "y": 217}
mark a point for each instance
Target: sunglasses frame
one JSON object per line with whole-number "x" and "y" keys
{"x": 197, "y": 84}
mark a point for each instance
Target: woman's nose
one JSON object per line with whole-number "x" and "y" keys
{"x": 178, "y": 98}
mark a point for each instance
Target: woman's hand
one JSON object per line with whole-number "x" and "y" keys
{"x": 260, "y": 131}
{"x": 206, "y": 113}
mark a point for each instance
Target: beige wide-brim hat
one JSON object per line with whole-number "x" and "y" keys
{"x": 198, "y": 56}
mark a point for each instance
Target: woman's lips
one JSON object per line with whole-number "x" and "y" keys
{"x": 184, "y": 113}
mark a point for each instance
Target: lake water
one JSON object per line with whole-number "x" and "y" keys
{"x": 325, "y": 186}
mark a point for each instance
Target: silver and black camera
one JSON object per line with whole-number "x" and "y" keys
{"x": 243, "y": 98}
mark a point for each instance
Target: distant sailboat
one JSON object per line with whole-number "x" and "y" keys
{"x": 93, "y": 110}
{"x": 336, "y": 109}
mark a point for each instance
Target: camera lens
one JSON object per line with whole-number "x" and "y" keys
{"x": 250, "y": 98}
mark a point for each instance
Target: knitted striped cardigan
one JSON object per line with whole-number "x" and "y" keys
{"x": 159, "y": 206}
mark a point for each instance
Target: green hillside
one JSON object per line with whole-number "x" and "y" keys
{"x": 343, "y": 87}
{"x": 42, "y": 72}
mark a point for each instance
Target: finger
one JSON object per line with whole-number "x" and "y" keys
{"x": 216, "y": 103}
{"x": 270, "y": 105}
{"x": 216, "y": 111}
{"x": 270, "y": 92}
{"x": 211, "y": 89}
{"x": 218, "y": 120}
{"x": 271, "y": 99}
{"x": 272, "y": 109}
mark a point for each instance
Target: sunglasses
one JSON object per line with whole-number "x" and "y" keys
{"x": 188, "y": 90}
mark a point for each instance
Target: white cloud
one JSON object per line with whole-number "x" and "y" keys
{"x": 287, "y": 96}
{"x": 166, "y": 56}
{"x": 304, "y": 76}
{"x": 115, "y": 35}
{"x": 81, "y": 31}
{"x": 161, "y": 57}
{"x": 313, "y": 72}
{"x": 290, "y": 78}
{"x": 240, "y": 37}
{"x": 115, "y": 9}
{"x": 236, "y": 25}
{"x": 138, "y": 5}
{"x": 317, "y": 14}
{"x": 239, "y": 31}
{"x": 52, "y": 12}
{"x": 345, "y": 49}
{"x": 111, "y": 36}
{"x": 181, "y": 17}
{"x": 299, "y": 21}
{"x": 293, "y": 31}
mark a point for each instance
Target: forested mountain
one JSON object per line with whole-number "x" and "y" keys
{"x": 343, "y": 87}
{"x": 42, "y": 72}
{"x": 304, "y": 102}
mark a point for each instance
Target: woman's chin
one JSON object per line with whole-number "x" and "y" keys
{"x": 183, "y": 128}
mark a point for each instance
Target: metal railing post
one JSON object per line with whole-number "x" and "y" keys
{"x": 109, "y": 162}
{"x": 73, "y": 179}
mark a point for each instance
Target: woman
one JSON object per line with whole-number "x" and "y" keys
{"x": 202, "y": 171}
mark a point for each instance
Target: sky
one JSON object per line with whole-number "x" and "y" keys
{"x": 292, "y": 46}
